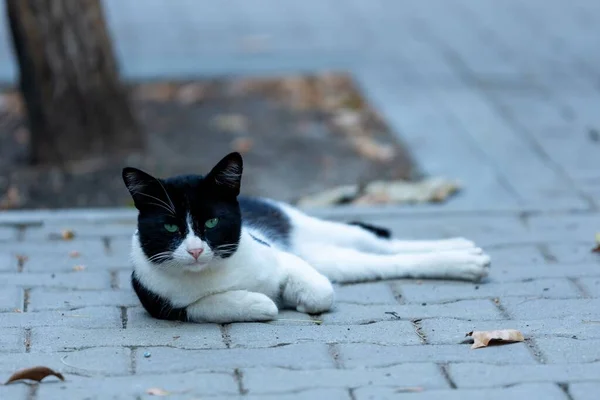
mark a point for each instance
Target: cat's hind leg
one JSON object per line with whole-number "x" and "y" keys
{"x": 368, "y": 238}
{"x": 341, "y": 264}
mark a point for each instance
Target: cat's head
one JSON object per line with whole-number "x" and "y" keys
{"x": 185, "y": 222}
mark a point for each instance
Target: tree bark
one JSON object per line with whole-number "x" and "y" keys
{"x": 76, "y": 104}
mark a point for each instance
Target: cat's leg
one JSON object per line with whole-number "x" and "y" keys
{"x": 341, "y": 264}
{"x": 369, "y": 238}
{"x": 305, "y": 289}
{"x": 232, "y": 306}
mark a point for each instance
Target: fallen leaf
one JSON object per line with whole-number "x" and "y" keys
{"x": 242, "y": 145}
{"x": 22, "y": 259}
{"x": 74, "y": 254}
{"x": 18, "y": 310}
{"x": 79, "y": 268}
{"x": 597, "y": 248}
{"x": 157, "y": 392}
{"x": 369, "y": 148}
{"x": 67, "y": 234}
{"x": 483, "y": 338}
{"x": 34, "y": 374}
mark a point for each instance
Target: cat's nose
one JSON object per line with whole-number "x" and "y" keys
{"x": 195, "y": 252}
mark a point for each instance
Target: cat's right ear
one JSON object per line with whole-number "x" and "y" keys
{"x": 146, "y": 191}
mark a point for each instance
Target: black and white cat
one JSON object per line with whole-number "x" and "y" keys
{"x": 203, "y": 253}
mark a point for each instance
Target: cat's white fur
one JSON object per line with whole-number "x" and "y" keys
{"x": 247, "y": 285}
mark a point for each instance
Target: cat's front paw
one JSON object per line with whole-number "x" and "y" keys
{"x": 260, "y": 308}
{"x": 316, "y": 298}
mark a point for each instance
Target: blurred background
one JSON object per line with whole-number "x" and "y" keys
{"x": 320, "y": 96}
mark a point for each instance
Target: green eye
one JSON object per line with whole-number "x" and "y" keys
{"x": 211, "y": 223}
{"x": 171, "y": 228}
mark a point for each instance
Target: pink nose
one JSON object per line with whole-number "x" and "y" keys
{"x": 195, "y": 252}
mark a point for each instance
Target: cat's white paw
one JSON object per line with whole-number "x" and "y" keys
{"x": 315, "y": 298}
{"x": 472, "y": 265}
{"x": 260, "y": 308}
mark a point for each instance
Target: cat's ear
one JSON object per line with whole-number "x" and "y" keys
{"x": 146, "y": 191}
{"x": 227, "y": 174}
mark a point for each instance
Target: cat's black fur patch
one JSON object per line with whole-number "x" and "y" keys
{"x": 155, "y": 305}
{"x": 376, "y": 230}
{"x": 271, "y": 220}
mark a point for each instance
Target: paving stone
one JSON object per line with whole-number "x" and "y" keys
{"x": 100, "y": 360}
{"x": 566, "y": 253}
{"x": 297, "y": 356}
{"x": 344, "y": 313}
{"x": 588, "y": 309}
{"x": 485, "y": 375}
{"x": 16, "y": 392}
{"x": 522, "y": 391}
{"x": 590, "y": 285}
{"x": 428, "y": 376}
{"x": 265, "y": 335}
{"x": 8, "y": 262}
{"x": 512, "y": 273}
{"x": 566, "y": 228}
{"x": 437, "y": 292}
{"x": 452, "y": 331}
{"x": 12, "y": 340}
{"x": 365, "y": 293}
{"x": 310, "y": 394}
{"x": 41, "y": 299}
{"x": 11, "y": 298}
{"x": 81, "y": 280}
{"x": 371, "y": 355}
{"x": 65, "y": 263}
{"x": 524, "y": 254}
{"x": 54, "y": 248}
{"x": 189, "y": 336}
{"x": 53, "y": 231}
{"x": 7, "y": 234}
{"x": 568, "y": 350}
{"x": 131, "y": 387}
{"x": 88, "y": 317}
{"x": 584, "y": 390}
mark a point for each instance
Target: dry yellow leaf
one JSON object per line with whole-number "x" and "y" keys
{"x": 484, "y": 338}
{"x": 67, "y": 234}
{"x": 78, "y": 268}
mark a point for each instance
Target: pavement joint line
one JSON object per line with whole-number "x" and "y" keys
{"x": 225, "y": 335}
{"x": 565, "y": 388}
{"x": 133, "y": 360}
{"x": 239, "y": 379}
{"x": 26, "y": 299}
{"x": 124, "y": 318}
{"x": 580, "y": 288}
{"x": 547, "y": 253}
{"x": 446, "y": 374}
{"x": 496, "y": 302}
{"x": 114, "y": 280}
{"x": 334, "y": 353}
{"x": 534, "y": 350}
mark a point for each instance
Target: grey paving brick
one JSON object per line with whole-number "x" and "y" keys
{"x": 265, "y": 335}
{"x": 438, "y": 291}
{"x": 17, "y": 392}
{"x": 130, "y": 387}
{"x": 53, "y": 231}
{"x": 344, "y": 313}
{"x": 574, "y": 253}
{"x": 66, "y": 263}
{"x": 189, "y": 336}
{"x": 524, "y": 254}
{"x": 54, "y": 248}
{"x": 53, "y": 299}
{"x": 11, "y": 298}
{"x": 428, "y": 376}
{"x": 590, "y": 285}
{"x": 569, "y": 350}
{"x": 552, "y": 308}
{"x": 452, "y": 331}
{"x": 565, "y": 228}
{"x": 584, "y": 390}
{"x": 89, "y": 317}
{"x": 8, "y": 262}
{"x": 310, "y": 394}
{"x": 297, "y": 356}
{"x": 511, "y": 273}
{"x": 12, "y": 340}
{"x": 7, "y": 234}
{"x": 371, "y": 355}
{"x": 106, "y": 361}
{"x": 124, "y": 279}
{"x": 485, "y": 375}
{"x": 365, "y": 293}
{"x": 81, "y": 280}
{"x": 538, "y": 390}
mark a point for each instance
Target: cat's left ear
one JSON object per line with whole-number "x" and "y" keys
{"x": 227, "y": 174}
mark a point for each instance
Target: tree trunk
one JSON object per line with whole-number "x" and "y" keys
{"x": 77, "y": 107}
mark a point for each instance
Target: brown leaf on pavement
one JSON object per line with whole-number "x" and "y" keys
{"x": 597, "y": 248}
{"x": 34, "y": 374}
{"x": 484, "y": 338}
{"x": 67, "y": 234}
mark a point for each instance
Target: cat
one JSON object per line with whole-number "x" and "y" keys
{"x": 204, "y": 253}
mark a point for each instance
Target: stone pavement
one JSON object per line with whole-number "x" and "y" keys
{"x": 502, "y": 95}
